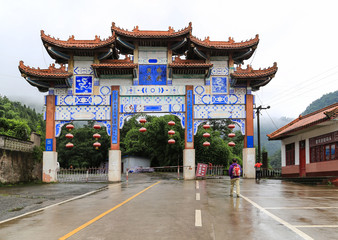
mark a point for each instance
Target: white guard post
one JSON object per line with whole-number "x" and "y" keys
{"x": 49, "y": 173}
{"x": 249, "y": 155}
{"x": 114, "y": 166}
{"x": 189, "y": 164}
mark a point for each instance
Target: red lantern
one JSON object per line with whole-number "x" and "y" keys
{"x": 97, "y": 145}
{"x": 206, "y": 144}
{"x": 171, "y": 132}
{"x": 69, "y": 136}
{"x": 206, "y": 135}
{"x": 96, "y": 136}
{"x": 231, "y": 144}
{"x": 142, "y": 129}
{"x": 69, "y": 145}
{"x": 97, "y": 126}
{"x": 231, "y": 135}
{"x": 69, "y": 127}
{"x": 231, "y": 126}
{"x": 171, "y": 123}
{"x": 206, "y": 126}
{"x": 143, "y": 120}
{"x": 171, "y": 141}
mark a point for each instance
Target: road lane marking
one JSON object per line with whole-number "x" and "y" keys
{"x": 316, "y": 226}
{"x": 198, "y": 196}
{"x": 198, "y": 218}
{"x": 105, "y": 213}
{"x": 272, "y": 208}
{"x": 286, "y": 224}
{"x": 55, "y": 204}
{"x": 197, "y": 185}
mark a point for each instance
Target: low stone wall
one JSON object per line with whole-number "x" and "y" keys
{"x": 17, "y": 162}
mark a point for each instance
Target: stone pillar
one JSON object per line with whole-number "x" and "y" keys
{"x": 114, "y": 165}
{"x": 189, "y": 151}
{"x": 50, "y": 154}
{"x": 249, "y": 150}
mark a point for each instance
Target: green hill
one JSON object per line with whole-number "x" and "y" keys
{"x": 324, "y": 101}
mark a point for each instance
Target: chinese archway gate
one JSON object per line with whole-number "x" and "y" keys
{"x": 169, "y": 72}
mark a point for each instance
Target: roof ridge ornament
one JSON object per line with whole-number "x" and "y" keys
{"x": 136, "y": 29}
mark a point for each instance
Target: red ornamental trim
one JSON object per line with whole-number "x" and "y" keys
{"x": 231, "y": 144}
{"x": 69, "y": 127}
{"x": 171, "y": 141}
{"x": 206, "y": 144}
{"x": 69, "y": 145}
{"x": 142, "y": 120}
{"x": 231, "y": 126}
{"x": 96, "y": 135}
{"x": 97, "y": 126}
{"x": 206, "y": 126}
{"x": 171, "y": 132}
{"x": 69, "y": 135}
{"x": 231, "y": 135}
{"x": 171, "y": 123}
{"x": 206, "y": 135}
{"x": 143, "y": 129}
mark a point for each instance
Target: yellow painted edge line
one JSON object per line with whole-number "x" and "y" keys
{"x": 104, "y": 214}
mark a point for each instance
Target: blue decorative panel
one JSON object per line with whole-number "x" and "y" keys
{"x": 83, "y": 70}
{"x": 152, "y": 74}
{"x": 107, "y": 124}
{"x": 219, "y": 84}
{"x": 123, "y": 116}
{"x": 218, "y": 99}
{"x": 180, "y": 116}
{"x": 189, "y": 116}
{"x": 115, "y": 117}
{"x": 217, "y": 70}
{"x": 152, "y": 60}
{"x": 83, "y": 84}
{"x": 49, "y": 144}
{"x": 152, "y": 90}
{"x": 196, "y": 124}
{"x": 219, "y": 111}
{"x": 129, "y": 108}
{"x": 105, "y": 90}
{"x": 58, "y": 126}
{"x": 241, "y": 123}
{"x": 82, "y": 100}
{"x": 250, "y": 141}
{"x": 82, "y": 113}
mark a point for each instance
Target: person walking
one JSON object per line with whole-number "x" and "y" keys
{"x": 235, "y": 174}
{"x": 258, "y": 166}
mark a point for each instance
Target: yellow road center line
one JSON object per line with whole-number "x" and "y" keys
{"x": 104, "y": 214}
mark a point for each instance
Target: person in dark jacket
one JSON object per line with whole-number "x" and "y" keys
{"x": 233, "y": 178}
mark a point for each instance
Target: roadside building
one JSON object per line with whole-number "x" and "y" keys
{"x": 309, "y": 144}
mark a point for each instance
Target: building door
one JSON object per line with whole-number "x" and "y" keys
{"x": 302, "y": 162}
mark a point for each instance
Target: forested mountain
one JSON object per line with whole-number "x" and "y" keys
{"x": 17, "y": 120}
{"x": 324, "y": 101}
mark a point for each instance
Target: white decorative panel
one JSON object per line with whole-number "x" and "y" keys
{"x": 152, "y": 100}
{"x": 82, "y": 113}
{"x": 71, "y": 100}
{"x": 60, "y": 91}
{"x": 152, "y": 90}
{"x": 219, "y": 99}
{"x": 219, "y": 68}
{"x": 219, "y": 111}
{"x": 152, "y": 57}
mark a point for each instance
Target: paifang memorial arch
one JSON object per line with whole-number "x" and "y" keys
{"x": 170, "y": 72}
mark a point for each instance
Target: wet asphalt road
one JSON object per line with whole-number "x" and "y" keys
{"x": 149, "y": 207}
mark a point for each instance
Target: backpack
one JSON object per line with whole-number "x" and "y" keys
{"x": 236, "y": 171}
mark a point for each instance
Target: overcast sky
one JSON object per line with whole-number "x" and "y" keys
{"x": 301, "y": 36}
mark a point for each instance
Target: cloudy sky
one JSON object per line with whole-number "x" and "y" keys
{"x": 301, "y": 36}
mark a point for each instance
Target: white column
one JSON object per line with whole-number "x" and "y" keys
{"x": 49, "y": 165}
{"x": 189, "y": 164}
{"x": 249, "y": 156}
{"x": 114, "y": 166}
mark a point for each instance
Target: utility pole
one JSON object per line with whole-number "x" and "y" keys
{"x": 258, "y": 109}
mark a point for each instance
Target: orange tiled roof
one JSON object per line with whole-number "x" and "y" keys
{"x": 249, "y": 72}
{"x": 136, "y": 33}
{"x": 115, "y": 63}
{"x": 78, "y": 44}
{"x": 231, "y": 44}
{"x": 306, "y": 121}
{"x": 181, "y": 63}
{"x": 51, "y": 72}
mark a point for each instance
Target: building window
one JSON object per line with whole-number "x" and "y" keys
{"x": 290, "y": 154}
{"x": 324, "y": 152}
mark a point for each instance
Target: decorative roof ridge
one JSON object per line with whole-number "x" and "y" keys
{"x": 51, "y": 69}
{"x": 178, "y": 59}
{"x": 300, "y": 117}
{"x": 249, "y": 69}
{"x": 137, "y": 32}
{"x": 231, "y": 42}
{"x": 71, "y": 40}
{"x": 127, "y": 59}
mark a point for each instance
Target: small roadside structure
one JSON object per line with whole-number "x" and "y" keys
{"x": 134, "y": 162}
{"x": 310, "y": 144}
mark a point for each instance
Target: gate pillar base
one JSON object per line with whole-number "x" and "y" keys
{"x": 114, "y": 166}
{"x": 249, "y": 156}
{"x": 49, "y": 165}
{"x": 189, "y": 164}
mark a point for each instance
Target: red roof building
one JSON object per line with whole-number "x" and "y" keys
{"x": 310, "y": 144}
